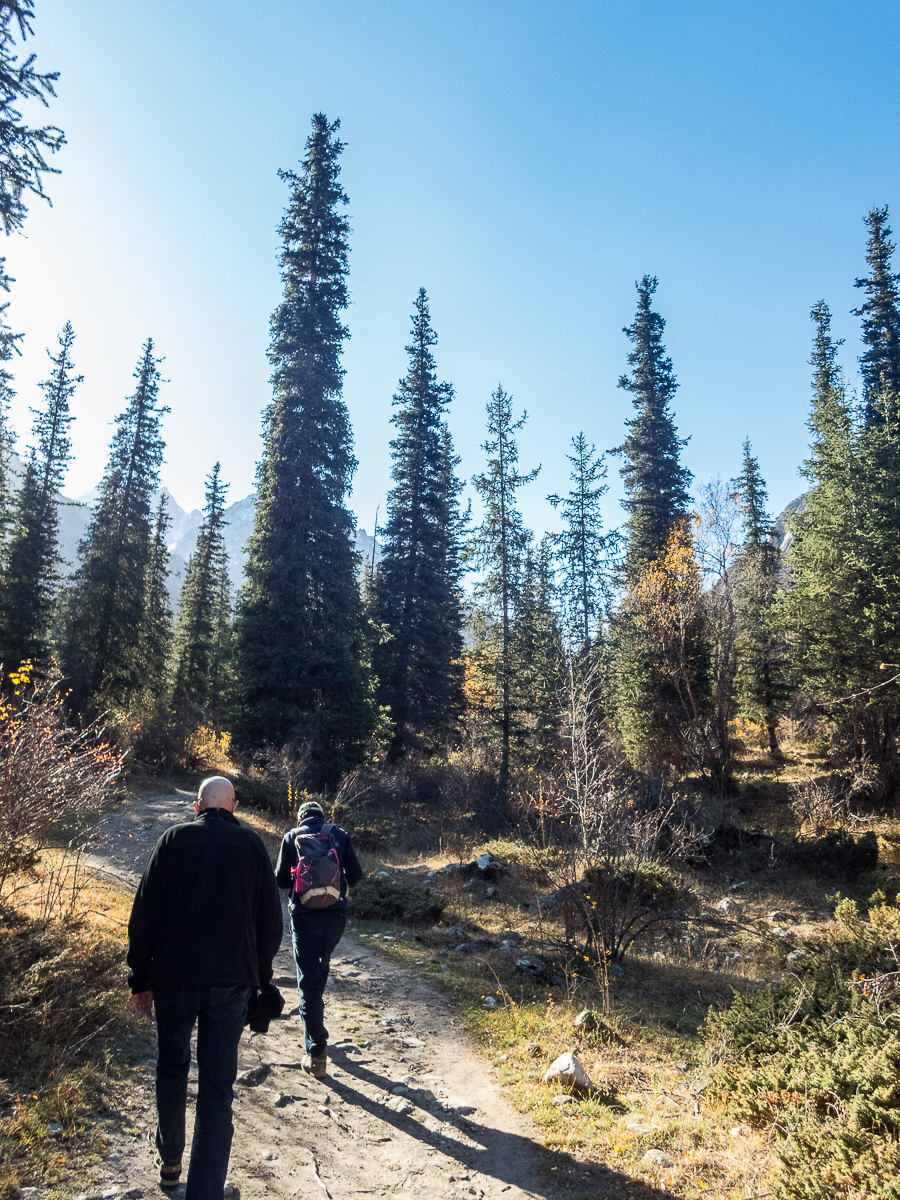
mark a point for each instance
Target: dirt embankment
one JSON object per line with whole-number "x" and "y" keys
{"x": 408, "y": 1108}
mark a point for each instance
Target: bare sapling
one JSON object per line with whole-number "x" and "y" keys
{"x": 54, "y": 779}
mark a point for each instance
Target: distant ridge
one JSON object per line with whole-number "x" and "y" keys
{"x": 74, "y": 516}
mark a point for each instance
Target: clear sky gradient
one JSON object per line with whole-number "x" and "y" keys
{"x": 525, "y": 162}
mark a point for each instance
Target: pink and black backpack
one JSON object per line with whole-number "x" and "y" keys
{"x": 317, "y": 875}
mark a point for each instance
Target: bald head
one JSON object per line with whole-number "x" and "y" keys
{"x": 215, "y": 792}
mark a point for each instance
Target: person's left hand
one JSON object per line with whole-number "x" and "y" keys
{"x": 142, "y": 1003}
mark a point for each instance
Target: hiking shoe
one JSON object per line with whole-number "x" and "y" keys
{"x": 315, "y": 1066}
{"x": 169, "y": 1177}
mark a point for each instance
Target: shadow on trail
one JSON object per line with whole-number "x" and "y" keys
{"x": 508, "y": 1158}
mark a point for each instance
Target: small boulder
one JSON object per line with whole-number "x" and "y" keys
{"x": 658, "y": 1158}
{"x": 568, "y": 1070}
{"x": 729, "y": 907}
{"x": 489, "y": 1002}
{"x": 482, "y": 861}
{"x": 777, "y": 915}
{"x": 560, "y": 1101}
{"x": 585, "y": 1022}
{"x": 534, "y": 1050}
{"x": 530, "y": 967}
{"x": 510, "y": 935}
{"x": 456, "y": 933}
{"x": 797, "y": 955}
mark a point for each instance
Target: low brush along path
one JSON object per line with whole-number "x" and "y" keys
{"x": 408, "y": 1108}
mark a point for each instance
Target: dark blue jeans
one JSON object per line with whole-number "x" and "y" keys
{"x": 315, "y": 936}
{"x": 219, "y": 1014}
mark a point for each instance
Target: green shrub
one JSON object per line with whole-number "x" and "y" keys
{"x": 836, "y": 853}
{"x": 389, "y": 900}
{"x": 254, "y": 793}
{"x": 818, "y": 1061}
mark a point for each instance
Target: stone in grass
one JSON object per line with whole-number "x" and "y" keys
{"x": 568, "y": 1070}
{"x": 729, "y": 907}
{"x": 534, "y": 1050}
{"x": 658, "y": 1158}
{"x": 797, "y": 955}
{"x": 561, "y": 1101}
{"x": 585, "y": 1021}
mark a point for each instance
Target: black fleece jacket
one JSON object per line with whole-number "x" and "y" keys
{"x": 206, "y": 912}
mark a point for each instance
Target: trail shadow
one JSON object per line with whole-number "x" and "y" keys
{"x": 508, "y": 1158}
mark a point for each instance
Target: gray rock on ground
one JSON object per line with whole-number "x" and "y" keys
{"x": 658, "y": 1158}
{"x": 568, "y": 1070}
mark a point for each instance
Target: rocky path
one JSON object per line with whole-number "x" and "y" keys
{"x": 407, "y": 1108}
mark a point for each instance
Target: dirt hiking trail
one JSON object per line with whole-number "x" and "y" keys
{"x": 407, "y": 1108}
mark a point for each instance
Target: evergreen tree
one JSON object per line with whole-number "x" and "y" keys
{"x": 30, "y": 574}
{"x": 23, "y": 163}
{"x": 648, "y": 713}
{"x": 762, "y": 685}
{"x": 417, "y": 587}
{"x": 583, "y": 549}
{"x": 656, "y": 483}
{"x": 22, "y": 148}
{"x": 880, "y": 365}
{"x": 104, "y": 653}
{"x": 156, "y": 625}
{"x": 299, "y": 651}
{"x": 538, "y": 651}
{"x": 845, "y": 559}
{"x": 201, "y": 642}
{"x": 498, "y": 547}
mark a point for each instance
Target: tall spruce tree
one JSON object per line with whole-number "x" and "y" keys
{"x": 538, "y": 652}
{"x": 845, "y": 559}
{"x": 582, "y": 549}
{"x": 104, "y": 651}
{"x": 156, "y": 624}
{"x": 656, "y": 484}
{"x": 200, "y": 639}
{"x": 30, "y": 575}
{"x": 417, "y": 601}
{"x": 498, "y": 547}
{"x": 299, "y": 630}
{"x": 657, "y": 503}
{"x": 761, "y": 681}
{"x": 880, "y": 312}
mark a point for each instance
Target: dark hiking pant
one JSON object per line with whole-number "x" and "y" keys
{"x": 219, "y": 1014}
{"x": 315, "y": 936}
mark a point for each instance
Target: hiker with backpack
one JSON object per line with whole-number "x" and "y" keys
{"x": 316, "y": 865}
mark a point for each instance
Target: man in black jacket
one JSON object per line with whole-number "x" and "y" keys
{"x": 205, "y": 927}
{"x": 315, "y": 932}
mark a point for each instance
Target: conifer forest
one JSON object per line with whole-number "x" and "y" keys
{"x": 697, "y": 622}
{"x": 612, "y": 716}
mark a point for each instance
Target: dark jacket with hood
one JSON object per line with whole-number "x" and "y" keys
{"x": 351, "y": 871}
{"x": 207, "y": 912}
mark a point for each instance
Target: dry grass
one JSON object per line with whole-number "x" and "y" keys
{"x": 648, "y": 1058}
{"x": 68, "y": 1037}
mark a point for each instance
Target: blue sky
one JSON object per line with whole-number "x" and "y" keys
{"x": 524, "y": 162}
